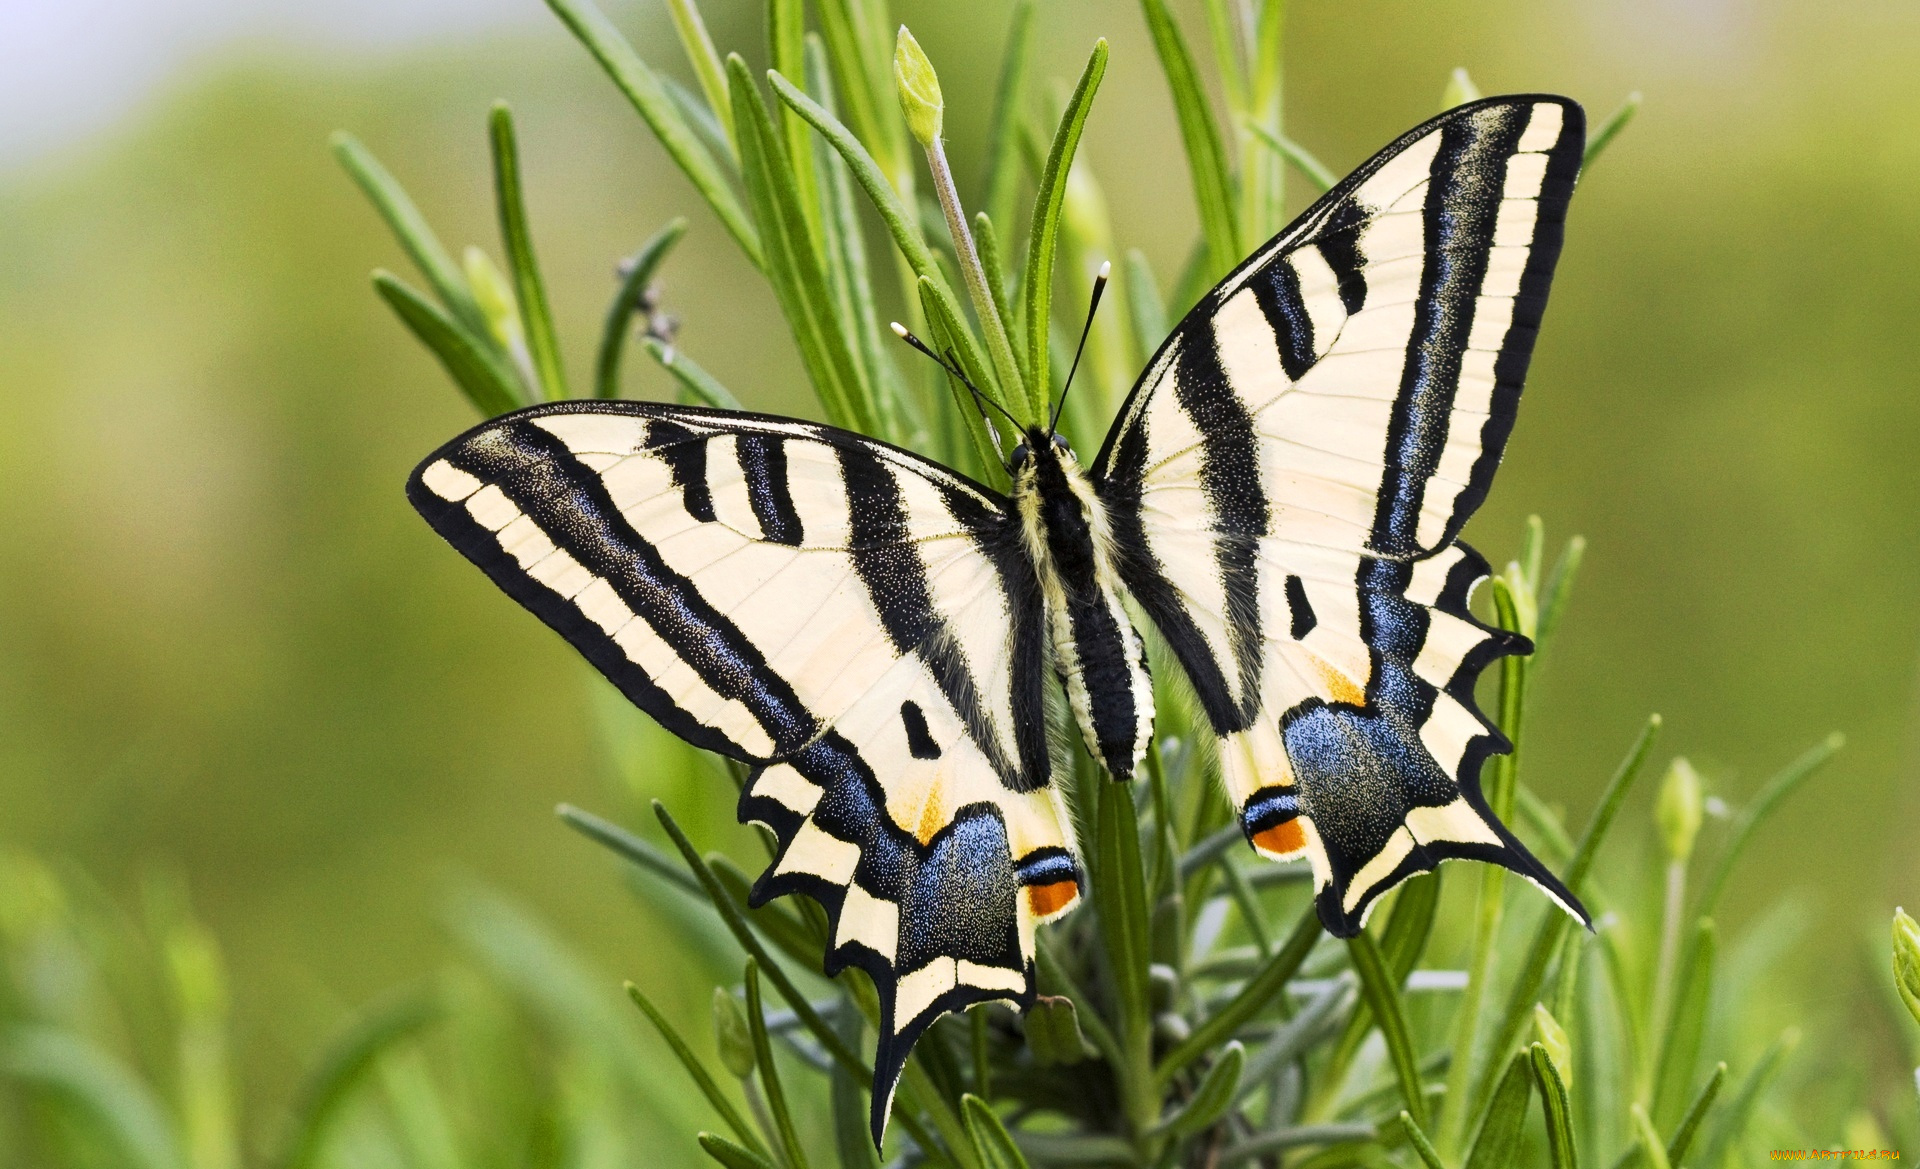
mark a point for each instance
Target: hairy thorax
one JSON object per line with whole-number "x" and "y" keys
{"x": 1096, "y": 649}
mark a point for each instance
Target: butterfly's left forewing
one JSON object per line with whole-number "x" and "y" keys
{"x": 850, "y": 620}
{"x": 1287, "y": 480}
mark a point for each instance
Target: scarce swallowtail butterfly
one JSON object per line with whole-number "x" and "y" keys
{"x": 871, "y": 632}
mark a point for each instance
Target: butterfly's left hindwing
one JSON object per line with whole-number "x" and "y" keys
{"x": 1287, "y": 480}
{"x": 854, "y": 622}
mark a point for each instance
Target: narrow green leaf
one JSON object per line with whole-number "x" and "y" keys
{"x": 1301, "y": 159}
{"x": 1525, "y": 990}
{"x": 1556, "y": 1107}
{"x": 1054, "y": 980}
{"x": 1696, "y": 1114}
{"x": 792, "y": 262}
{"x": 1732, "y": 1124}
{"x": 1610, "y": 129}
{"x": 893, "y": 208}
{"x": 479, "y": 372}
{"x": 410, "y": 227}
{"x": 1003, "y": 142}
{"x": 1651, "y": 1147}
{"x": 1498, "y": 1144}
{"x": 1558, "y": 846}
{"x": 1043, "y": 232}
{"x": 1206, "y": 157}
{"x": 536, "y": 316}
{"x": 1408, "y": 928}
{"x": 992, "y": 261}
{"x": 1119, "y": 889}
{"x": 1144, "y": 303}
{"x": 123, "y": 1110}
{"x": 1758, "y": 809}
{"x": 850, "y": 1136}
{"x": 643, "y": 89}
{"x": 1422, "y": 1146}
{"x": 1279, "y": 1140}
{"x": 697, "y": 1071}
{"x": 794, "y": 1156}
{"x": 865, "y": 88}
{"x": 1680, "y": 1051}
{"x": 1382, "y": 993}
{"x": 786, "y": 51}
{"x": 1215, "y": 1095}
{"x": 633, "y": 288}
{"x": 704, "y": 59}
{"x": 703, "y": 386}
{"x": 731, "y": 1155}
{"x": 1262, "y": 181}
{"x": 343, "y": 1066}
{"x": 1252, "y": 999}
{"x": 628, "y": 846}
{"x": 1555, "y": 591}
{"x": 844, "y": 241}
{"x": 992, "y": 1143}
{"x": 743, "y": 933}
{"x": 775, "y": 921}
{"x": 1221, "y": 30}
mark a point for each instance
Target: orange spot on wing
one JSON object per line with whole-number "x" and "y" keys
{"x": 1284, "y": 837}
{"x": 1047, "y": 900}
{"x": 1341, "y": 688}
{"x": 934, "y": 813}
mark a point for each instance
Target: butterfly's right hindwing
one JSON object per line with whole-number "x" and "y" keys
{"x": 855, "y": 623}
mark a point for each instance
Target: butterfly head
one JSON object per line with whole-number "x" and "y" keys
{"x": 1039, "y": 447}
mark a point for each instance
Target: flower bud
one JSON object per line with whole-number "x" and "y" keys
{"x": 1553, "y": 1037}
{"x": 918, "y": 87}
{"x": 735, "y": 1038}
{"x": 1677, "y": 810}
{"x": 494, "y": 295}
{"x": 1459, "y": 91}
{"x": 1053, "y": 1032}
{"x": 1906, "y": 960}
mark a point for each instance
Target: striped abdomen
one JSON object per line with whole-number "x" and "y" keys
{"x": 1099, "y": 654}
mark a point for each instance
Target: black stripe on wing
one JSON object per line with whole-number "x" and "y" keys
{"x": 1465, "y": 190}
{"x": 568, "y": 501}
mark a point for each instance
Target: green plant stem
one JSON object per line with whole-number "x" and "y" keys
{"x": 986, "y": 305}
{"x": 1673, "y": 909}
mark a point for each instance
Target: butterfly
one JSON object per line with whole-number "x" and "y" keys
{"x": 1280, "y": 497}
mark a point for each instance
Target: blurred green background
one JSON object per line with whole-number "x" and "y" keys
{"x": 229, "y": 649}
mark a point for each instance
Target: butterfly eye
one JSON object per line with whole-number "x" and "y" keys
{"x": 1060, "y": 444}
{"x": 1020, "y": 456}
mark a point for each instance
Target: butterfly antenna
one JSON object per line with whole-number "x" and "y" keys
{"x": 952, "y": 365}
{"x": 1093, "y": 306}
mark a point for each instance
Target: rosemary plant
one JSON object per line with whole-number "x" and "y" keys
{"x": 1192, "y": 1013}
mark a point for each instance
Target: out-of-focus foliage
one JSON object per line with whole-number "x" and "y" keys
{"x": 228, "y": 643}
